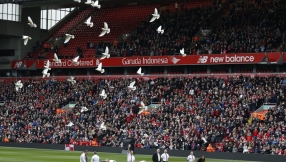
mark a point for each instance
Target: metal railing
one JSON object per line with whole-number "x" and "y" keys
{"x": 149, "y": 76}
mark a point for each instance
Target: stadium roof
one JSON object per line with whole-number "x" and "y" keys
{"x": 70, "y": 3}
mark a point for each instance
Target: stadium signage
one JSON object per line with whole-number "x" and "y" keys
{"x": 69, "y": 63}
{"x": 232, "y": 59}
{"x": 144, "y": 61}
{"x": 215, "y": 59}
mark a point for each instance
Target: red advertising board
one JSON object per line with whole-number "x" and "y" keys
{"x": 245, "y": 58}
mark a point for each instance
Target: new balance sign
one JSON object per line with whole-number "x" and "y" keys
{"x": 242, "y": 58}
{"x": 203, "y": 59}
{"x": 232, "y": 59}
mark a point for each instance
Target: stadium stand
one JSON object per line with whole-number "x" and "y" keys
{"x": 200, "y": 113}
{"x": 235, "y": 27}
{"x": 122, "y": 22}
{"x": 180, "y": 27}
{"x": 247, "y": 27}
{"x": 259, "y": 30}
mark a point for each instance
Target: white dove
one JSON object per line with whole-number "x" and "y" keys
{"x": 102, "y": 126}
{"x": 18, "y": 85}
{"x": 182, "y": 52}
{"x": 68, "y": 37}
{"x": 88, "y": 22}
{"x": 105, "y": 54}
{"x": 83, "y": 109}
{"x": 75, "y": 60}
{"x": 95, "y": 4}
{"x": 47, "y": 66}
{"x": 155, "y": 15}
{"x": 89, "y": 2}
{"x": 71, "y": 79}
{"x": 77, "y": 1}
{"x": 205, "y": 141}
{"x": 160, "y": 30}
{"x": 131, "y": 86}
{"x": 139, "y": 72}
{"x": 31, "y": 22}
{"x": 105, "y": 30}
{"x": 103, "y": 94}
{"x": 99, "y": 68}
{"x": 56, "y": 59}
{"x": 70, "y": 124}
{"x": 26, "y": 38}
{"x": 142, "y": 107}
{"x": 45, "y": 73}
{"x": 46, "y": 69}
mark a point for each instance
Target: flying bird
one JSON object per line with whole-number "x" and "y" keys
{"x": 75, "y": 60}
{"x": 70, "y": 124}
{"x": 89, "y": 2}
{"x": 102, "y": 126}
{"x": 105, "y": 54}
{"x": 99, "y": 68}
{"x": 96, "y": 4}
{"x": 31, "y": 22}
{"x": 71, "y": 79}
{"x": 142, "y": 107}
{"x": 18, "y": 85}
{"x": 26, "y": 38}
{"x": 182, "y": 52}
{"x": 160, "y": 30}
{"x": 105, "y": 30}
{"x": 139, "y": 72}
{"x": 155, "y": 15}
{"x": 68, "y": 37}
{"x": 45, "y": 73}
{"x": 103, "y": 94}
{"x": 56, "y": 59}
{"x": 83, "y": 109}
{"x": 205, "y": 141}
{"x": 77, "y": 1}
{"x": 131, "y": 86}
{"x": 88, "y": 22}
{"x": 46, "y": 70}
{"x": 47, "y": 66}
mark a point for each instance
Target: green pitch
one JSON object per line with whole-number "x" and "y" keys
{"x": 11, "y": 154}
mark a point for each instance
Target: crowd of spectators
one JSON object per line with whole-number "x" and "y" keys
{"x": 191, "y": 110}
{"x": 179, "y": 29}
{"x": 247, "y": 27}
{"x": 235, "y": 27}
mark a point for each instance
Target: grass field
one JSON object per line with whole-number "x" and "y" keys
{"x": 11, "y": 154}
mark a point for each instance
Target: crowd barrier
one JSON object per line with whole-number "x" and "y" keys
{"x": 179, "y": 153}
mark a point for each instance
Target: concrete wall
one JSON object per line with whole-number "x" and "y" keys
{"x": 179, "y": 153}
